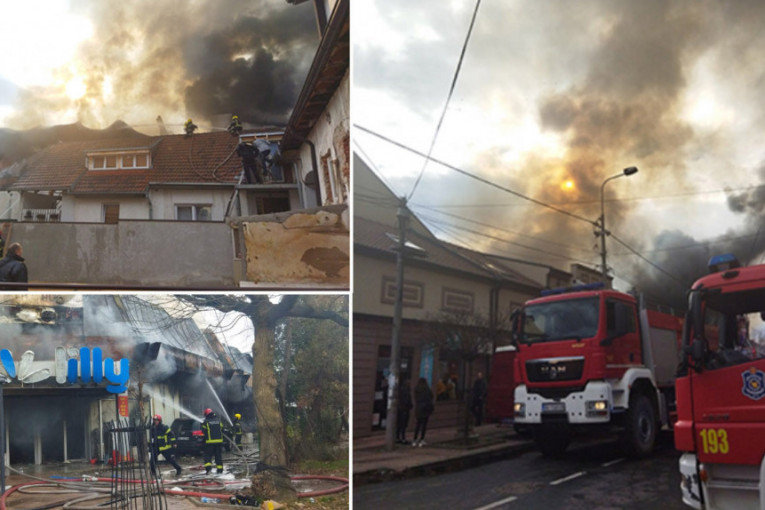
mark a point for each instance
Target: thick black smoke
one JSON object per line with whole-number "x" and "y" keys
{"x": 206, "y": 59}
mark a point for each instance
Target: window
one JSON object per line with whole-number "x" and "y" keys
{"x": 197, "y": 212}
{"x": 111, "y": 213}
{"x": 117, "y": 161}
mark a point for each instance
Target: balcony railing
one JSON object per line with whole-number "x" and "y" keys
{"x": 41, "y": 215}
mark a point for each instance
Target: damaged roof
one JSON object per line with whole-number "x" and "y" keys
{"x": 327, "y": 70}
{"x": 127, "y": 315}
{"x": 204, "y": 158}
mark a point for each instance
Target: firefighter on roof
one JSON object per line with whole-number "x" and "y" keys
{"x": 189, "y": 127}
{"x": 213, "y": 432}
{"x": 163, "y": 443}
{"x": 235, "y": 127}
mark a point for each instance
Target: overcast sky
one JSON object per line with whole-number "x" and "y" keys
{"x": 554, "y": 97}
{"x": 99, "y": 61}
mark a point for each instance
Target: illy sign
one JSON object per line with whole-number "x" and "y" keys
{"x": 89, "y": 366}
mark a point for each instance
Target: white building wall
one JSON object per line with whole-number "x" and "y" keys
{"x": 91, "y": 210}
{"x": 327, "y": 134}
{"x": 164, "y": 201}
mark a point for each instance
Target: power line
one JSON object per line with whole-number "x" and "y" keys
{"x": 439, "y": 224}
{"x": 652, "y": 264}
{"x": 448, "y": 99}
{"x": 505, "y": 230}
{"x": 607, "y": 200}
{"x": 475, "y": 177}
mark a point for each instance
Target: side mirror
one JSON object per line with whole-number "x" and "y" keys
{"x": 515, "y": 326}
{"x": 697, "y": 351}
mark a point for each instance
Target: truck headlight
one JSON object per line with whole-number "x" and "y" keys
{"x": 520, "y": 410}
{"x": 596, "y": 408}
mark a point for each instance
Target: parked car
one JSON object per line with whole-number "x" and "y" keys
{"x": 190, "y": 439}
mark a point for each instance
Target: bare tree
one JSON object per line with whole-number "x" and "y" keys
{"x": 266, "y": 313}
{"x": 469, "y": 335}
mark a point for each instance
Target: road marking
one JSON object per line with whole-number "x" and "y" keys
{"x": 497, "y": 503}
{"x": 568, "y": 478}
{"x": 609, "y": 464}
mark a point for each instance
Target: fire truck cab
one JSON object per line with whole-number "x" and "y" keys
{"x": 721, "y": 389}
{"x": 593, "y": 357}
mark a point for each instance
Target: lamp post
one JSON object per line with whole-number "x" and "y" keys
{"x": 630, "y": 170}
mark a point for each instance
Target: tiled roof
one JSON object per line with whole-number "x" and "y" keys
{"x": 202, "y": 158}
{"x": 376, "y": 237}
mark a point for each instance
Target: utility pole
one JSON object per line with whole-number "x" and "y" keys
{"x": 602, "y": 221}
{"x": 2, "y": 441}
{"x": 391, "y": 423}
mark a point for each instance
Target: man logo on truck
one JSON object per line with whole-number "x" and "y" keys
{"x": 754, "y": 383}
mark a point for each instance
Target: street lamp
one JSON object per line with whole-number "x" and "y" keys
{"x": 630, "y": 170}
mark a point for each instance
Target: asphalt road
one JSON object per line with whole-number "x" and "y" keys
{"x": 592, "y": 476}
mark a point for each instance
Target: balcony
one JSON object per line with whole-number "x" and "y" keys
{"x": 41, "y": 215}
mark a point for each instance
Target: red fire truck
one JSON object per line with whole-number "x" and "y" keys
{"x": 589, "y": 356}
{"x": 721, "y": 390}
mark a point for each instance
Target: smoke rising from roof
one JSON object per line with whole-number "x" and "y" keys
{"x": 199, "y": 58}
{"x": 631, "y": 108}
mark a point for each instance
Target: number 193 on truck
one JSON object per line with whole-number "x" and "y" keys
{"x": 721, "y": 389}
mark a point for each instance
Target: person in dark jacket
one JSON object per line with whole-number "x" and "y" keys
{"x": 249, "y": 153}
{"x": 162, "y": 443}
{"x": 479, "y": 396}
{"x": 236, "y": 429}
{"x": 12, "y": 267}
{"x": 213, "y": 432}
{"x": 404, "y": 407}
{"x": 423, "y": 408}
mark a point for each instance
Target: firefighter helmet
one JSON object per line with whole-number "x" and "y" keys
{"x": 208, "y": 411}
{"x": 235, "y": 117}
{"x": 157, "y": 418}
{"x": 238, "y": 416}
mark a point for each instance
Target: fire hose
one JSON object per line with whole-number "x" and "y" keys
{"x": 73, "y": 485}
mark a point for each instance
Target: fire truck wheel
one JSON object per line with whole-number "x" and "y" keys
{"x": 552, "y": 440}
{"x": 640, "y": 428}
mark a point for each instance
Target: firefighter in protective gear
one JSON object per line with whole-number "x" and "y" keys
{"x": 163, "y": 443}
{"x": 235, "y": 127}
{"x": 213, "y": 432}
{"x": 236, "y": 429}
{"x": 189, "y": 127}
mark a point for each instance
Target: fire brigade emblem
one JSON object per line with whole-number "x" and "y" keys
{"x": 754, "y": 383}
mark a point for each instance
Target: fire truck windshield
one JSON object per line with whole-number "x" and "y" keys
{"x": 572, "y": 319}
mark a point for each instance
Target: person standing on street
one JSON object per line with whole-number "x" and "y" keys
{"x": 479, "y": 396}
{"x": 12, "y": 267}
{"x": 213, "y": 432}
{"x": 423, "y": 408}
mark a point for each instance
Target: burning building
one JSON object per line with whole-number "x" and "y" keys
{"x": 70, "y": 364}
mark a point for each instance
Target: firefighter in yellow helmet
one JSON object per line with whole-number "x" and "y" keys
{"x": 236, "y": 429}
{"x": 189, "y": 127}
{"x": 235, "y": 127}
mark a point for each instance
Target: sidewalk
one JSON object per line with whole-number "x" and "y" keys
{"x": 371, "y": 463}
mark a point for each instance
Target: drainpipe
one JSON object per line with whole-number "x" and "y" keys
{"x": 151, "y": 207}
{"x": 2, "y": 442}
{"x": 315, "y": 164}
{"x": 101, "y": 429}
{"x": 66, "y": 457}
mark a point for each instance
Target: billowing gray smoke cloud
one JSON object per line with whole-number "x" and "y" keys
{"x": 203, "y": 58}
{"x": 627, "y": 110}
